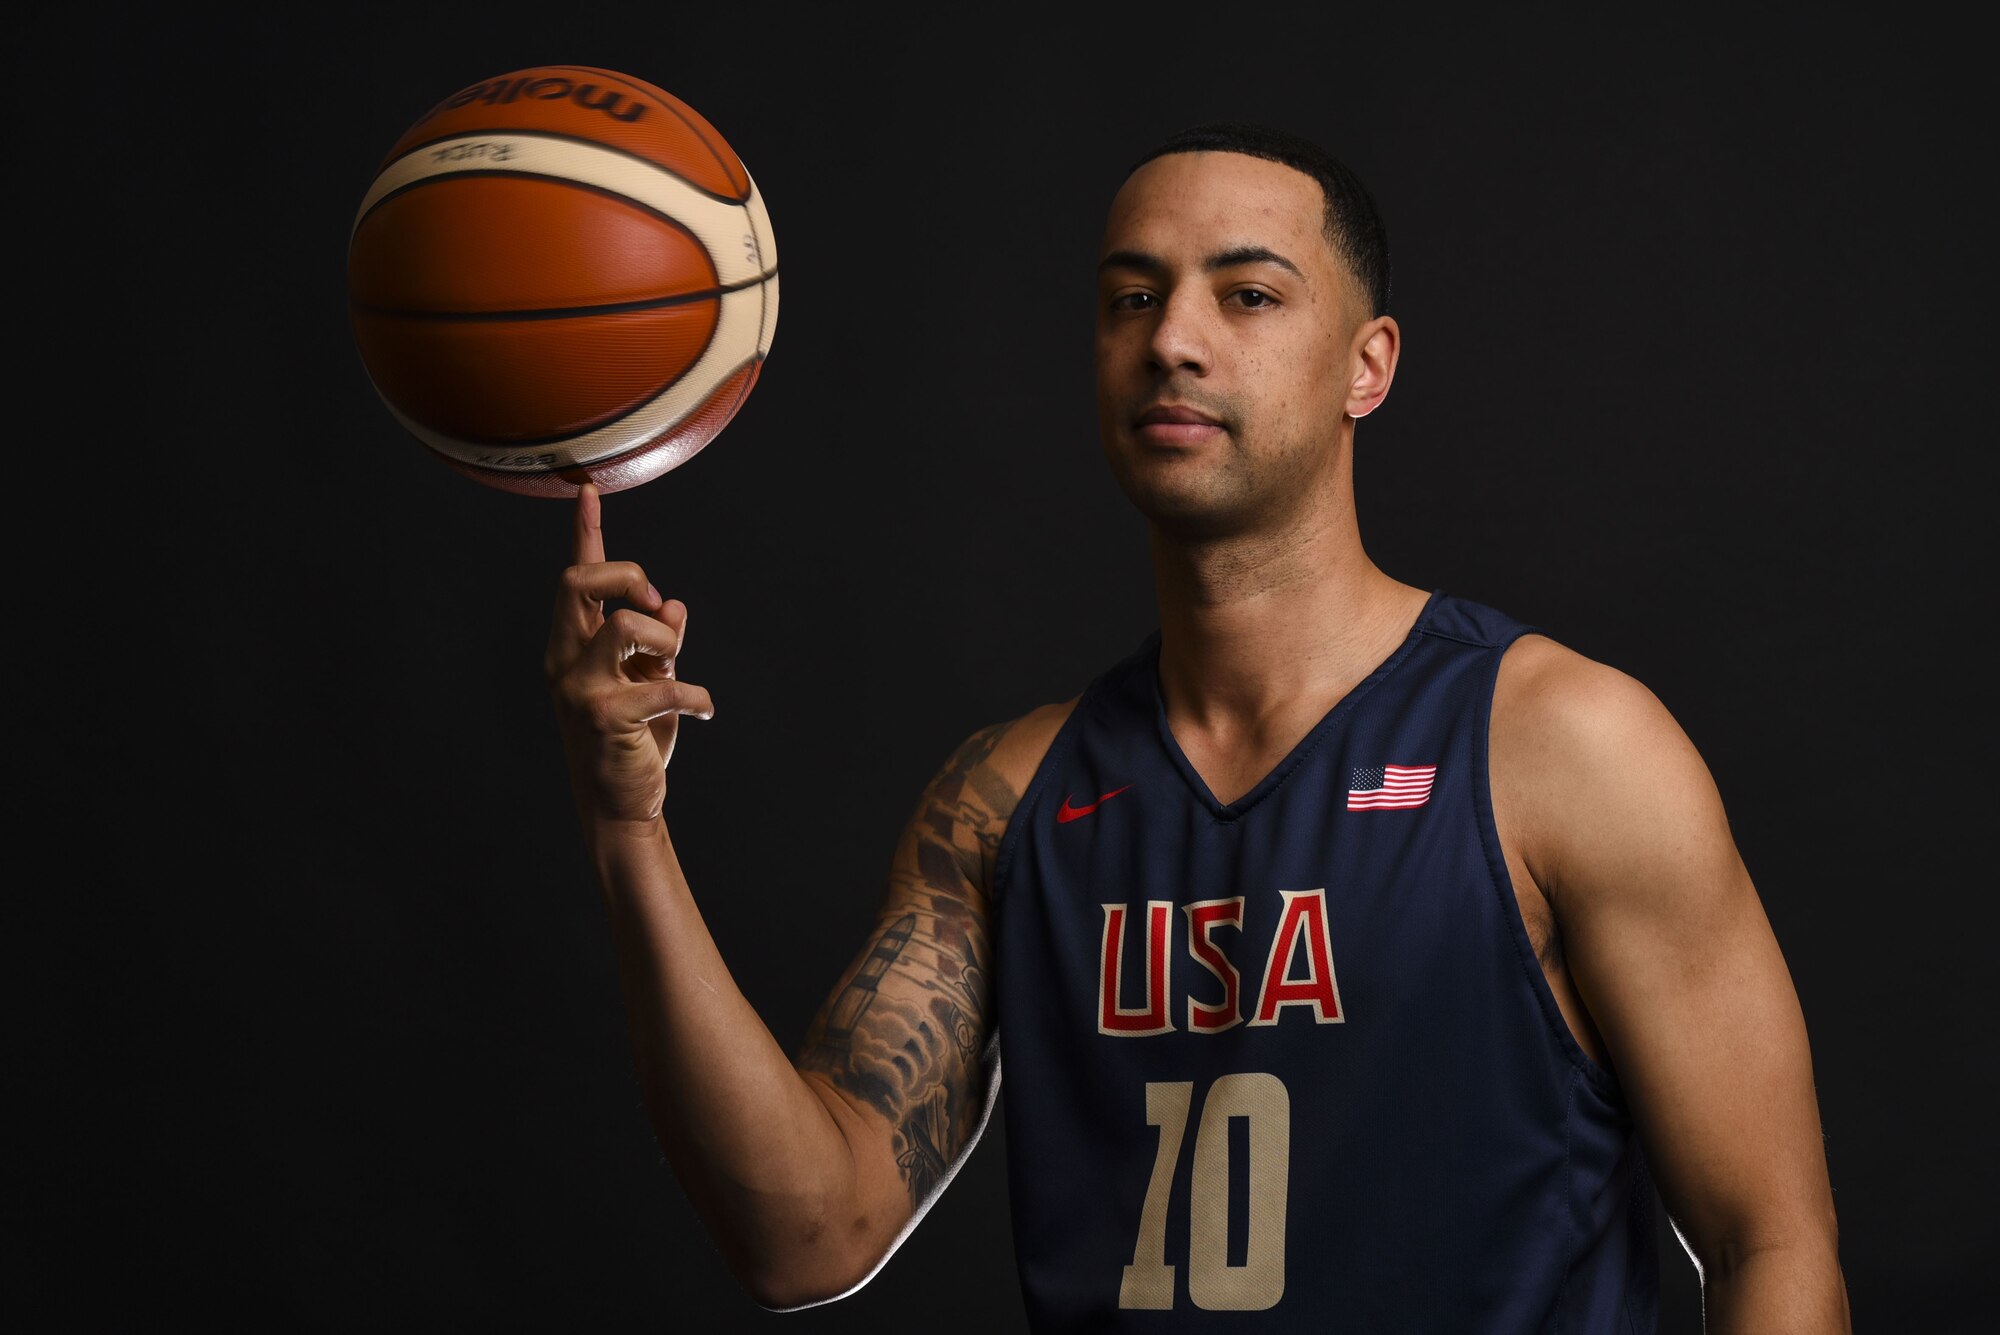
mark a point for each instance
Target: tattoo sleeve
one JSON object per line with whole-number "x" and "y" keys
{"x": 904, "y": 1029}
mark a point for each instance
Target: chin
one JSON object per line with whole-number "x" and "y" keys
{"x": 1182, "y": 513}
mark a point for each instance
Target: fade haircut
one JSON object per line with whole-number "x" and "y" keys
{"x": 1353, "y": 226}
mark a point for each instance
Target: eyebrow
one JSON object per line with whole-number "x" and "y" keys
{"x": 1223, "y": 259}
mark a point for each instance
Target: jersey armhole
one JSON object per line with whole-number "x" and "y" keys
{"x": 1503, "y": 879}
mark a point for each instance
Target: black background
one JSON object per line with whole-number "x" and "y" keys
{"x": 322, "y": 1029}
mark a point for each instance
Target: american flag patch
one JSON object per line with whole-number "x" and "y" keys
{"x": 1378, "y": 787}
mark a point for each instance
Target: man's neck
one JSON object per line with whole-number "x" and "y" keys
{"x": 1259, "y": 628}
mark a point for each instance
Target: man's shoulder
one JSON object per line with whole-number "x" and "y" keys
{"x": 1581, "y": 751}
{"x": 966, "y": 806}
{"x": 1548, "y": 691}
{"x": 991, "y": 769}
{"x": 1020, "y": 744}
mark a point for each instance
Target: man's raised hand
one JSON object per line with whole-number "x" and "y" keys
{"x": 617, "y": 700}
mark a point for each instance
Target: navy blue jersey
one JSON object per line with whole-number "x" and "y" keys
{"x": 1291, "y": 1064}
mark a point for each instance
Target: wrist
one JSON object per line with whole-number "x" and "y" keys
{"x": 612, "y": 832}
{"x": 629, "y": 856}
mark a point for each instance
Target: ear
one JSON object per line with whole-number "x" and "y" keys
{"x": 1377, "y": 343}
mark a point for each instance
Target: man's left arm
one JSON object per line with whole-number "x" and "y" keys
{"x": 1667, "y": 943}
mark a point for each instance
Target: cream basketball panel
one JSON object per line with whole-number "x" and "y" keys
{"x": 737, "y": 237}
{"x": 759, "y": 224}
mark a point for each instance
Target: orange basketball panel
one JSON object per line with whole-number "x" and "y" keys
{"x": 504, "y": 243}
{"x": 518, "y": 381}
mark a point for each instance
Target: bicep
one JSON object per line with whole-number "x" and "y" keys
{"x": 1670, "y": 947}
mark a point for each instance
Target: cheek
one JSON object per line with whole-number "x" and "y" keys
{"x": 1113, "y": 342}
{"x": 1326, "y": 373}
{"x": 1115, "y": 360}
{"x": 1108, "y": 379}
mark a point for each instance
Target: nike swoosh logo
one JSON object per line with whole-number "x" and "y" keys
{"x": 1066, "y": 813}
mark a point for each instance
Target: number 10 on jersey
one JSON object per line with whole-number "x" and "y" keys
{"x": 1213, "y": 1284}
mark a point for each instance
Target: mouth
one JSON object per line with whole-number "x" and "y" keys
{"x": 1175, "y": 424}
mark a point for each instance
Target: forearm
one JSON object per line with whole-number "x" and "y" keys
{"x": 1779, "y": 1290}
{"x": 756, "y": 1150}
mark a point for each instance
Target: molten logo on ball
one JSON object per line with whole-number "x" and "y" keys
{"x": 499, "y": 92}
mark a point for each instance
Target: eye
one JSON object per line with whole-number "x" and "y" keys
{"x": 1251, "y": 298}
{"x": 1133, "y": 301}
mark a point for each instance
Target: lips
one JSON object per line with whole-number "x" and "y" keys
{"x": 1175, "y": 426}
{"x": 1174, "y": 414}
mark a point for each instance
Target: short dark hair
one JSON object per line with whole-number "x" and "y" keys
{"x": 1353, "y": 224}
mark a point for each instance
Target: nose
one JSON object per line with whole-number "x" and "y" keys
{"x": 1179, "y": 338}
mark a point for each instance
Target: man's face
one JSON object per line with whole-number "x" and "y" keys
{"x": 1224, "y": 322}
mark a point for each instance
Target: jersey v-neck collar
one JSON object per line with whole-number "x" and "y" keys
{"x": 1150, "y": 657}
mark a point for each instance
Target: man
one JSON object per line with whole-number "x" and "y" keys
{"x": 1361, "y": 958}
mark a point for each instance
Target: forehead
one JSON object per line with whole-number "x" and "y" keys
{"x": 1185, "y": 205}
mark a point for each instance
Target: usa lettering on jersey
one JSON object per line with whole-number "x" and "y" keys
{"x": 1296, "y": 968}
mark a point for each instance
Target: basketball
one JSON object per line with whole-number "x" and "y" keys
{"x": 560, "y": 275}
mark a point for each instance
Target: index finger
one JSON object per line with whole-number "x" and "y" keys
{"x": 589, "y": 546}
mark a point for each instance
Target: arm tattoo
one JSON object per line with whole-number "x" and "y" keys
{"x": 903, "y": 1033}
